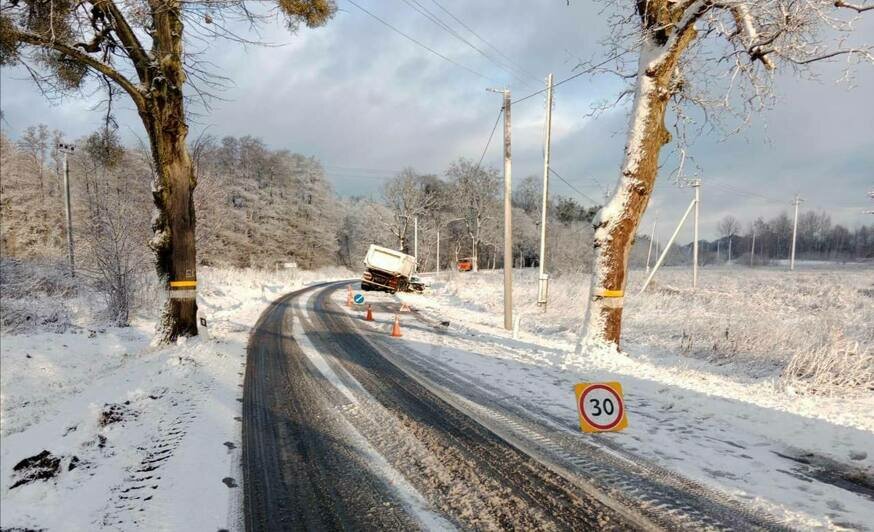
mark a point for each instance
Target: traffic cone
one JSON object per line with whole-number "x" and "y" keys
{"x": 396, "y": 329}
{"x": 349, "y": 296}
{"x": 369, "y": 315}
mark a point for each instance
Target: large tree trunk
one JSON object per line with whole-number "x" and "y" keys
{"x": 617, "y": 222}
{"x": 173, "y": 190}
{"x": 174, "y": 228}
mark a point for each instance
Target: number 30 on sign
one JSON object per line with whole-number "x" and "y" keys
{"x": 601, "y": 407}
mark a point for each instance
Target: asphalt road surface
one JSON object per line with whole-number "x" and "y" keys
{"x": 337, "y": 435}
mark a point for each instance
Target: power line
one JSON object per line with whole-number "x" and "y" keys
{"x": 491, "y": 135}
{"x": 422, "y": 10}
{"x": 578, "y": 74}
{"x": 478, "y": 36}
{"x": 426, "y": 47}
{"x": 735, "y": 190}
{"x": 575, "y": 189}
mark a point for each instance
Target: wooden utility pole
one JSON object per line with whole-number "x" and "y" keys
{"x": 68, "y": 149}
{"x": 508, "y": 210}
{"x": 508, "y": 218}
{"x": 543, "y": 278}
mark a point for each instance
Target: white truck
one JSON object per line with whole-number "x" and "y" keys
{"x": 389, "y": 270}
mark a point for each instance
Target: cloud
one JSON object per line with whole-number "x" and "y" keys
{"x": 367, "y": 102}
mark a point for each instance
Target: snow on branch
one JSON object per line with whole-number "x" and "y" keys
{"x": 727, "y": 71}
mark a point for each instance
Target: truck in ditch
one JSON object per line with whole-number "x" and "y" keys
{"x": 389, "y": 270}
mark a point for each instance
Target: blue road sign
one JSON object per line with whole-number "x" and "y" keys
{"x": 359, "y": 299}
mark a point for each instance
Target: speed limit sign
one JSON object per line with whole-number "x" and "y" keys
{"x": 601, "y": 407}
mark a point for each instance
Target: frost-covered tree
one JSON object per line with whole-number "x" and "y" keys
{"x": 139, "y": 48}
{"x": 363, "y": 223}
{"x": 31, "y": 220}
{"x": 718, "y": 55}
{"x": 476, "y": 191}
{"x": 408, "y": 196}
{"x": 112, "y": 251}
{"x": 315, "y": 214}
{"x": 728, "y": 227}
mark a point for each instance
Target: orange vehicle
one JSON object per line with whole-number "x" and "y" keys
{"x": 465, "y": 265}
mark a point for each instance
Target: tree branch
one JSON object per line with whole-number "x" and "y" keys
{"x": 128, "y": 38}
{"x": 98, "y": 66}
{"x": 747, "y": 28}
{"x": 855, "y": 7}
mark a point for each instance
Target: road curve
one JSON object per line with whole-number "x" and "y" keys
{"x": 300, "y": 471}
{"x": 337, "y": 436}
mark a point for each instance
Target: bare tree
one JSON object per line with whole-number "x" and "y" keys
{"x": 113, "y": 256}
{"x": 35, "y": 142}
{"x": 477, "y": 192}
{"x": 138, "y": 47}
{"x": 408, "y": 196}
{"x": 716, "y": 55}
{"x": 728, "y": 227}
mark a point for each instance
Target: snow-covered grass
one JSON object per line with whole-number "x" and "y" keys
{"x": 730, "y": 417}
{"x": 138, "y": 436}
{"x": 813, "y": 328}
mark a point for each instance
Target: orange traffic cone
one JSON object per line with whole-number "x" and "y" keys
{"x": 396, "y": 329}
{"x": 369, "y": 315}
{"x": 349, "y": 296}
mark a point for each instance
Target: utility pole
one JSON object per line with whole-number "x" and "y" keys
{"x": 794, "y": 233}
{"x": 416, "y": 239}
{"x": 696, "y": 184}
{"x": 753, "y": 249}
{"x": 438, "y": 250}
{"x": 543, "y": 284}
{"x": 649, "y": 251}
{"x": 508, "y": 209}
{"x": 68, "y": 149}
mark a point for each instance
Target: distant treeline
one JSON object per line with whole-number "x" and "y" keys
{"x": 258, "y": 207}
{"x": 817, "y": 239}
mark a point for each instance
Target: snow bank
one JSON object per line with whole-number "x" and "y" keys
{"x": 144, "y": 437}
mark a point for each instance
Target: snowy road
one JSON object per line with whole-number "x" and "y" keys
{"x": 345, "y": 427}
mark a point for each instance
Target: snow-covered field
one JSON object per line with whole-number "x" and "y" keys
{"x": 136, "y": 436}
{"x": 743, "y": 322}
{"x": 707, "y": 389}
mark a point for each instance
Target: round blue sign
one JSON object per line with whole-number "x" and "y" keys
{"x": 359, "y": 299}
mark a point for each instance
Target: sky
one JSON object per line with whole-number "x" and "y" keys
{"x": 367, "y": 102}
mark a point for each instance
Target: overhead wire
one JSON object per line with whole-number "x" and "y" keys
{"x": 569, "y": 78}
{"x": 482, "y": 39}
{"x": 422, "y": 10}
{"x": 419, "y": 43}
{"x": 575, "y": 189}
{"x": 491, "y": 135}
